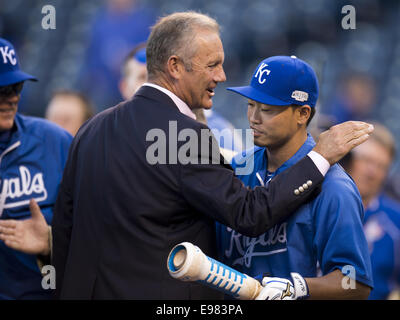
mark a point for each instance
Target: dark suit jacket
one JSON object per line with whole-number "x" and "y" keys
{"x": 117, "y": 216}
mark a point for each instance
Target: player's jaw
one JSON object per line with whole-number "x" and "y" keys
{"x": 268, "y": 137}
{"x": 8, "y": 109}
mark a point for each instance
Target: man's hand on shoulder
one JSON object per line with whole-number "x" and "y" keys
{"x": 340, "y": 139}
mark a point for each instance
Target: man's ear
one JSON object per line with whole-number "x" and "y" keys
{"x": 304, "y": 113}
{"x": 174, "y": 67}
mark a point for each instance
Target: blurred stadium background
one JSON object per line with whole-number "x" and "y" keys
{"x": 85, "y": 50}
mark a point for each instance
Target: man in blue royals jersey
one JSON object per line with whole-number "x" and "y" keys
{"x": 325, "y": 235}
{"x": 32, "y": 157}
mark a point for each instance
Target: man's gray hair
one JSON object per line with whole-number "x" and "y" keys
{"x": 173, "y": 35}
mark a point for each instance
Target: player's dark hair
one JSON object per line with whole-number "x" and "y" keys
{"x": 312, "y": 114}
{"x": 11, "y": 90}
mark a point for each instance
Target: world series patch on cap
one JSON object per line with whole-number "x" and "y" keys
{"x": 282, "y": 81}
{"x": 10, "y": 72}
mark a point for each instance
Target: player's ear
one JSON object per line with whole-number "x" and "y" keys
{"x": 303, "y": 114}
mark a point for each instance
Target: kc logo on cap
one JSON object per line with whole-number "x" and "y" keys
{"x": 10, "y": 72}
{"x": 260, "y": 72}
{"x": 8, "y": 55}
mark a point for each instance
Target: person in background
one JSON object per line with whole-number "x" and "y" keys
{"x": 69, "y": 109}
{"x": 355, "y": 98}
{"x": 133, "y": 71}
{"x": 119, "y": 25}
{"x": 392, "y": 185}
{"x": 33, "y": 153}
{"x": 369, "y": 165}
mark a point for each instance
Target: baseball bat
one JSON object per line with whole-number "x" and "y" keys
{"x": 187, "y": 262}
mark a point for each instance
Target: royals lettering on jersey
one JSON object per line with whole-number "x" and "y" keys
{"x": 18, "y": 191}
{"x": 271, "y": 242}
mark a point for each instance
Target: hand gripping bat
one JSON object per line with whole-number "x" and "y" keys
{"x": 187, "y": 262}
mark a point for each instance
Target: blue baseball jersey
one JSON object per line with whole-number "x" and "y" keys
{"x": 321, "y": 236}
{"x": 31, "y": 166}
{"x": 382, "y": 230}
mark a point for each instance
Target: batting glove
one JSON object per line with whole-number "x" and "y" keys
{"x": 284, "y": 289}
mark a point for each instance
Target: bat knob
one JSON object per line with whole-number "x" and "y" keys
{"x": 179, "y": 258}
{"x": 181, "y": 261}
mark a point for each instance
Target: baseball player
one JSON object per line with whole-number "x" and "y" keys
{"x": 33, "y": 152}
{"x": 133, "y": 71}
{"x": 69, "y": 109}
{"x": 325, "y": 234}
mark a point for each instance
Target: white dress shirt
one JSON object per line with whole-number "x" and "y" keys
{"x": 182, "y": 106}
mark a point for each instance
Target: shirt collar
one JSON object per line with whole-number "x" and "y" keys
{"x": 307, "y": 146}
{"x": 5, "y": 136}
{"x": 9, "y": 135}
{"x": 182, "y": 106}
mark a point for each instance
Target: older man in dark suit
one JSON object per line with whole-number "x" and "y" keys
{"x": 121, "y": 207}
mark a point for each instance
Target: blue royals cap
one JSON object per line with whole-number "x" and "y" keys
{"x": 282, "y": 81}
{"x": 9, "y": 66}
{"x": 141, "y": 55}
